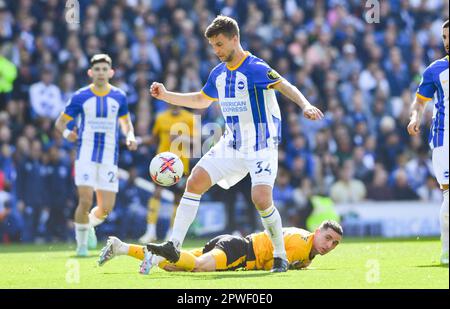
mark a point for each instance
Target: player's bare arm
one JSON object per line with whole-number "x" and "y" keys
{"x": 194, "y": 100}
{"x": 417, "y": 109}
{"x": 288, "y": 90}
{"x": 61, "y": 125}
{"x": 128, "y": 130}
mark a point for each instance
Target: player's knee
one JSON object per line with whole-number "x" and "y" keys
{"x": 85, "y": 203}
{"x": 195, "y": 184}
{"x": 261, "y": 201}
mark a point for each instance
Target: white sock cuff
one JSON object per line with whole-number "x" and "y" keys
{"x": 192, "y": 197}
{"x": 266, "y": 213}
{"x": 81, "y": 226}
{"x": 445, "y": 193}
{"x": 93, "y": 219}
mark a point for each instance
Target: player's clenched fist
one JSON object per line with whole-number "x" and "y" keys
{"x": 312, "y": 113}
{"x": 413, "y": 127}
{"x": 157, "y": 90}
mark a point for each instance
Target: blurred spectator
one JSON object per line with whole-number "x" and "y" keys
{"x": 389, "y": 145}
{"x": 30, "y": 188}
{"x": 58, "y": 179}
{"x": 347, "y": 189}
{"x": 282, "y": 191}
{"x": 144, "y": 51}
{"x": 130, "y": 212}
{"x": 419, "y": 167}
{"x": 230, "y": 198}
{"x": 303, "y": 207}
{"x": 6, "y": 23}
{"x": 363, "y": 164}
{"x": 45, "y": 97}
{"x": 402, "y": 190}
{"x": 8, "y": 73}
{"x": 349, "y": 63}
{"x": 430, "y": 191}
{"x": 11, "y": 225}
{"x": 379, "y": 189}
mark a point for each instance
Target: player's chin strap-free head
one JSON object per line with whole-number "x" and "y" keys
{"x": 99, "y": 58}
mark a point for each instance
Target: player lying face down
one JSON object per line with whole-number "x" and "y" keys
{"x": 227, "y": 252}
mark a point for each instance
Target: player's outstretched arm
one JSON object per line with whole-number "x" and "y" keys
{"x": 291, "y": 92}
{"x": 192, "y": 100}
{"x": 417, "y": 109}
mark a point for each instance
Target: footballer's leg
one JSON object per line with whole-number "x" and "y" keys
{"x": 186, "y": 262}
{"x": 197, "y": 184}
{"x": 441, "y": 168}
{"x": 444, "y": 222}
{"x": 271, "y": 220}
{"x": 85, "y": 194}
{"x": 98, "y": 214}
{"x": 114, "y": 247}
{"x": 263, "y": 171}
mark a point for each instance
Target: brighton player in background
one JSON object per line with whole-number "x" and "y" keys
{"x": 244, "y": 87}
{"x": 228, "y": 252}
{"x": 435, "y": 80}
{"x": 100, "y": 108}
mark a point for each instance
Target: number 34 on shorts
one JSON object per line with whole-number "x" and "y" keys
{"x": 262, "y": 166}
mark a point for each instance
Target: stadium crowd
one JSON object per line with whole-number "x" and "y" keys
{"x": 362, "y": 75}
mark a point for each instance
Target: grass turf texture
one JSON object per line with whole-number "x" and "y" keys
{"x": 372, "y": 263}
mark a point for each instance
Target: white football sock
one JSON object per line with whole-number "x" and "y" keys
{"x": 444, "y": 223}
{"x": 156, "y": 259}
{"x": 184, "y": 217}
{"x": 122, "y": 249}
{"x": 81, "y": 234}
{"x": 93, "y": 220}
{"x": 151, "y": 229}
{"x": 271, "y": 221}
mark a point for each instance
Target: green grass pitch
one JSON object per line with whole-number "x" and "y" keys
{"x": 371, "y": 264}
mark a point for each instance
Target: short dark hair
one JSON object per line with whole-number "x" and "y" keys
{"x": 330, "y": 224}
{"x": 222, "y": 25}
{"x": 98, "y": 58}
{"x": 445, "y": 25}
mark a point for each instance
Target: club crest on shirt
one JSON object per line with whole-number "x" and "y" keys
{"x": 241, "y": 85}
{"x": 272, "y": 74}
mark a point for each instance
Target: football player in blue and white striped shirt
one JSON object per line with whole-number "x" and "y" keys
{"x": 244, "y": 86}
{"x": 98, "y": 109}
{"x": 435, "y": 81}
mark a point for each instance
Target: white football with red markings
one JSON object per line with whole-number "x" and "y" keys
{"x": 166, "y": 169}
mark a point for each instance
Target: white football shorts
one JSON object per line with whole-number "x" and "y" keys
{"x": 97, "y": 175}
{"x": 227, "y": 166}
{"x": 440, "y": 161}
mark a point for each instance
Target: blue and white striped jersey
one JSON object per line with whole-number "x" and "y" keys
{"x": 97, "y": 115}
{"x": 250, "y": 107}
{"x": 435, "y": 80}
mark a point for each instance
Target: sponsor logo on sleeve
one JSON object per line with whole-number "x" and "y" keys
{"x": 272, "y": 74}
